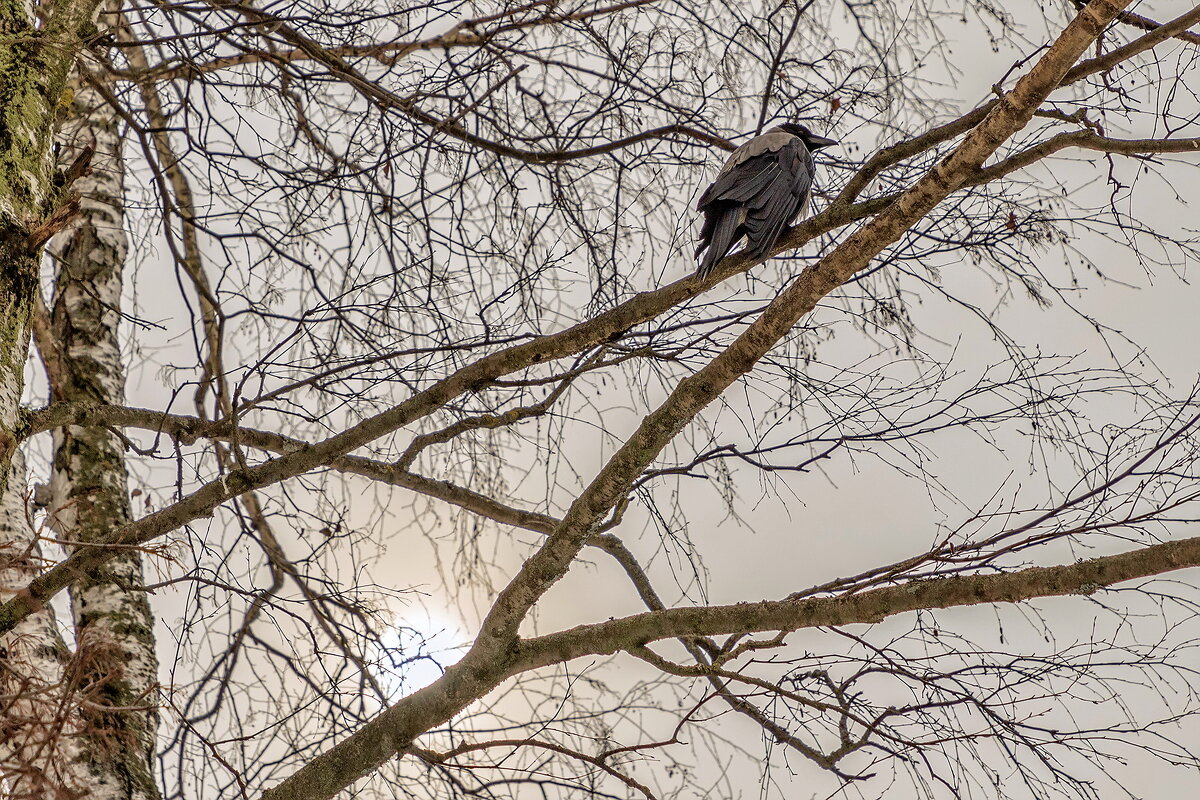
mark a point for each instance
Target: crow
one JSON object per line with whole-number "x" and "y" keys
{"x": 763, "y": 187}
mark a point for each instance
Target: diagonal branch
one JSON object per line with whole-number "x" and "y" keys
{"x": 1012, "y": 112}
{"x": 1146, "y": 24}
{"x": 496, "y": 651}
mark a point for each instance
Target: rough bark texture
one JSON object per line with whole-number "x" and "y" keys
{"x": 23, "y": 186}
{"x": 114, "y": 627}
{"x": 43, "y": 748}
{"x": 635, "y": 632}
{"x": 34, "y": 66}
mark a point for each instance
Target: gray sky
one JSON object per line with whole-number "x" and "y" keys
{"x": 793, "y": 531}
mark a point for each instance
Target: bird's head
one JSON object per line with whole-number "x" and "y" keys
{"x": 810, "y": 139}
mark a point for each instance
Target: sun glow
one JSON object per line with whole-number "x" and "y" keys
{"x": 416, "y": 651}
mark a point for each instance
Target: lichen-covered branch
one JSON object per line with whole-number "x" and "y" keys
{"x": 34, "y": 66}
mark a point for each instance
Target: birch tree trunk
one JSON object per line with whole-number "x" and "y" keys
{"x": 35, "y": 202}
{"x": 39, "y": 725}
{"x": 38, "y": 719}
{"x": 114, "y": 629}
{"x": 52, "y": 747}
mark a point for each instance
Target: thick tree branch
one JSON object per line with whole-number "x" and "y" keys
{"x": 871, "y": 606}
{"x": 1085, "y": 140}
{"x": 692, "y": 394}
{"x": 1146, "y": 24}
{"x": 493, "y": 650}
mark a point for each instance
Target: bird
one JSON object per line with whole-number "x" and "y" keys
{"x": 764, "y": 186}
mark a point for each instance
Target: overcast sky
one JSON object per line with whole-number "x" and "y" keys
{"x": 793, "y": 531}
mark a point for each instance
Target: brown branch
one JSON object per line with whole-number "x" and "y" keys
{"x": 869, "y": 607}
{"x": 1085, "y": 140}
{"x": 464, "y": 34}
{"x": 1146, "y": 24}
{"x": 47, "y": 346}
{"x": 896, "y": 153}
{"x": 496, "y": 651}
{"x": 175, "y": 193}
{"x": 1168, "y": 30}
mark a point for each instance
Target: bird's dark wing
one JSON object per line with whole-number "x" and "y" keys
{"x": 742, "y": 181}
{"x": 779, "y": 203}
{"x": 755, "y": 196}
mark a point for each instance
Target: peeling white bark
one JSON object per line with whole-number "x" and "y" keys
{"x": 40, "y": 723}
{"x": 114, "y": 626}
{"x": 39, "y": 719}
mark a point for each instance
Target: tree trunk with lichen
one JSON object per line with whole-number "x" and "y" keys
{"x": 35, "y": 200}
{"x": 33, "y": 728}
{"x": 114, "y": 628}
{"x": 24, "y": 188}
{"x": 84, "y": 724}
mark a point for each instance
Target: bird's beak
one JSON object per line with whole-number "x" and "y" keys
{"x": 817, "y": 142}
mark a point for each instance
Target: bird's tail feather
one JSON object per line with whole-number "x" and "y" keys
{"x": 721, "y": 242}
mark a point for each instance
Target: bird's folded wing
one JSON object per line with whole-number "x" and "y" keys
{"x": 742, "y": 182}
{"x": 778, "y": 203}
